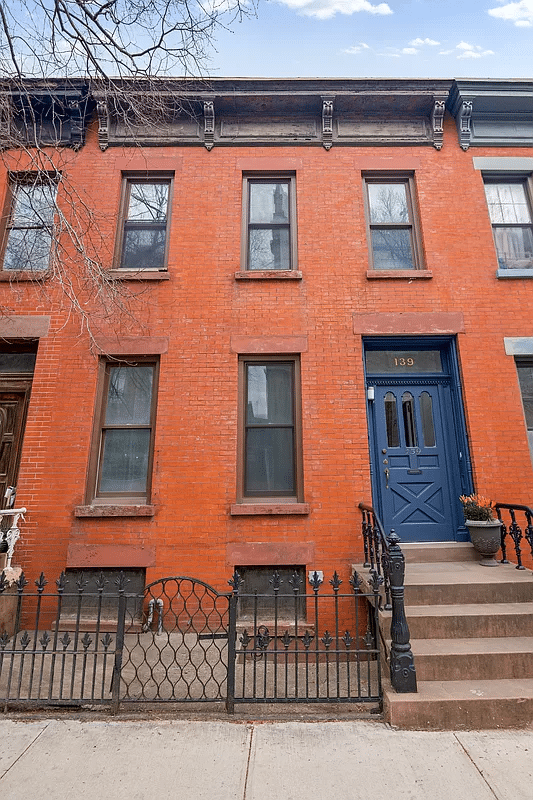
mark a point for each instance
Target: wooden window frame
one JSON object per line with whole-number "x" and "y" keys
{"x": 93, "y": 495}
{"x": 248, "y": 179}
{"x": 16, "y": 180}
{"x": 243, "y": 496}
{"x": 413, "y": 226}
{"x": 521, "y": 179}
{"x": 129, "y": 178}
{"x": 525, "y": 362}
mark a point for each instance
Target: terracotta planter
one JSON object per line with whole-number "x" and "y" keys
{"x": 486, "y": 538}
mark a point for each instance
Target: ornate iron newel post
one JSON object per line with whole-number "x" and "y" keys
{"x": 402, "y": 666}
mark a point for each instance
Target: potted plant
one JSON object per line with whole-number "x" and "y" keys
{"x": 483, "y": 527}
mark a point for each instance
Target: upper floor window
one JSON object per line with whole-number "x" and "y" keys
{"x": 31, "y": 205}
{"x": 509, "y": 203}
{"x": 269, "y": 218}
{"x": 144, "y": 223}
{"x": 394, "y": 240}
{"x": 123, "y": 448}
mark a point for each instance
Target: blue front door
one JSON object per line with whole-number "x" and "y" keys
{"x": 415, "y": 458}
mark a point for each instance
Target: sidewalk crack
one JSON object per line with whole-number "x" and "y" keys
{"x": 248, "y": 762}
{"x": 24, "y": 751}
{"x": 480, "y": 771}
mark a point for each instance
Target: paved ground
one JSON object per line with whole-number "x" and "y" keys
{"x": 270, "y": 760}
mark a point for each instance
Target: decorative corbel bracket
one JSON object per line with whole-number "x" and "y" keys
{"x": 464, "y": 119}
{"x": 102, "y": 111}
{"x": 437, "y": 117}
{"x": 327, "y": 122}
{"x": 76, "y": 124}
{"x": 209, "y": 124}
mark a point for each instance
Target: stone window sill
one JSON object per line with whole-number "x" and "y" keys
{"x": 399, "y": 274}
{"x": 268, "y": 509}
{"x": 114, "y": 511}
{"x": 514, "y": 273}
{"x": 269, "y": 275}
{"x": 16, "y": 276}
{"x": 139, "y": 275}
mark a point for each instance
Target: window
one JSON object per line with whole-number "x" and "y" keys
{"x": 269, "y": 436}
{"x": 144, "y": 227}
{"x": 122, "y": 461}
{"x": 30, "y": 220}
{"x": 525, "y": 378}
{"x": 510, "y": 214}
{"x": 393, "y": 238}
{"x": 269, "y": 218}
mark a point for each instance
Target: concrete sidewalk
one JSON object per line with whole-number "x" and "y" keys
{"x": 218, "y": 760}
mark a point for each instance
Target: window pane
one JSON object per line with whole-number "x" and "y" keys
{"x": 391, "y": 420}
{"x": 391, "y": 361}
{"x": 408, "y": 410}
{"x": 129, "y": 396}
{"x": 514, "y": 247}
{"x": 34, "y": 205}
{"x": 269, "y": 460}
{"x": 269, "y": 249}
{"x": 148, "y": 201}
{"x": 124, "y": 465}
{"x": 269, "y": 398}
{"x": 388, "y": 203}
{"x": 507, "y": 203}
{"x": 28, "y": 248}
{"x": 144, "y": 248}
{"x": 392, "y": 249}
{"x": 426, "y": 414}
{"x": 269, "y": 203}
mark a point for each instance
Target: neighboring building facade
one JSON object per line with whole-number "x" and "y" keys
{"x": 326, "y": 291}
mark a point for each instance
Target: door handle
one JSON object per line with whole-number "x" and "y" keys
{"x": 387, "y": 476}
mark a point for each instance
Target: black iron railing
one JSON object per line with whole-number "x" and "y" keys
{"x": 78, "y": 642}
{"x": 386, "y": 561}
{"x": 510, "y": 514}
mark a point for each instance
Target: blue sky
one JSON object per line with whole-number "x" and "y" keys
{"x": 370, "y": 38}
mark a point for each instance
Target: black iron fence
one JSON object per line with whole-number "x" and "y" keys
{"x": 517, "y": 525}
{"x": 75, "y": 643}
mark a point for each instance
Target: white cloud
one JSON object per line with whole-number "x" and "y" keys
{"x": 472, "y": 51}
{"x": 356, "y": 48}
{"x": 324, "y": 9}
{"x": 420, "y": 42}
{"x": 410, "y": 51}
{"x": 520, "y": 13}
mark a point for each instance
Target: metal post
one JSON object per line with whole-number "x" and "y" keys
{"x": 402, "y": 666}
{"x": 235, "y": 583}
{"x": 119, "y": 644}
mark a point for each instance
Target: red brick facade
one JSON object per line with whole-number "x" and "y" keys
{"x": 199, "y": 317}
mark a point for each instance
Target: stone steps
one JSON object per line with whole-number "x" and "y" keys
{"x": 471, "y": 631}
{"x": 462, "y": 705}
{"x": 464, "y": 621}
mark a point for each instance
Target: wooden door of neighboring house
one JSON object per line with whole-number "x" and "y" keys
{"x": 13, "y": 410}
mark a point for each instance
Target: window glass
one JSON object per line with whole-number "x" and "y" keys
{"x": 391, "y": 420}
{"x": 394, "y": 241}
{"x": 525, "y": 377}
{"x": 408, "y": 411}
{"x": 269, "y": 429}
{"x": 269, "y": 226}
{"x": 145, "y": 225}
{"x": 510, "y": 214}
{"x": 403, "y": 361}
{"x": 29, "y": 233}
{"x": 426, "y": 415}
{"x": 126, "y": 433}
{"x": 388, "y": 203}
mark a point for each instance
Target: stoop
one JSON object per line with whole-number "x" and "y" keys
{"x": 471, "y": 633}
